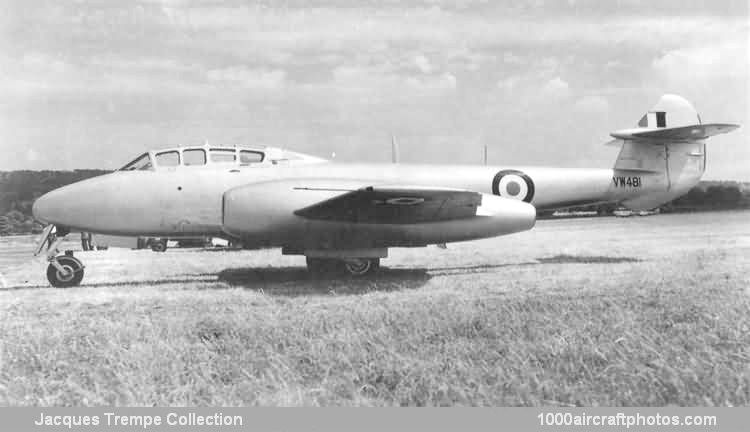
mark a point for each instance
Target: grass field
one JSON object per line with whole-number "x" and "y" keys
{"x": 608, "y": 311}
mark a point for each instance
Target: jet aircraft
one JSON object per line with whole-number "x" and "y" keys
{"x": 344, "y": 217}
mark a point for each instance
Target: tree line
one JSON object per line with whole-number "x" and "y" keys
{"x": 705, "y": 196}
{"x": 19, "y": 189}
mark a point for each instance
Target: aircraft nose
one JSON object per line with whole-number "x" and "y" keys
{"x": 70, "y": 206}
{"x": 47, "y": 208}
{"x": 109, "y": 203}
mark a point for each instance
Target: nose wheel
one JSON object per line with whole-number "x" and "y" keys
{"x": 67, "y": 273}
{"x": 63, "y": 271}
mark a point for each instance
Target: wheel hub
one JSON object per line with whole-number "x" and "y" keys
{"x": 67, "y": 273}
{"x": 358, "y": 266}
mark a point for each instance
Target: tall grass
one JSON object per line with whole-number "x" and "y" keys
{"x": 658, "y": 345}
{"x": 553, "y": 318}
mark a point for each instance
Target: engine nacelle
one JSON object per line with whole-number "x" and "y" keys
{"x": 262, "y": 214}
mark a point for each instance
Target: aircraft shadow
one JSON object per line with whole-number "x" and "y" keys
{"x": 557, "y": 259}
{"x": 295, "y": 281}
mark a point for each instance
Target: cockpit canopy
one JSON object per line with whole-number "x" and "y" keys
{"x": 218, "y": 157}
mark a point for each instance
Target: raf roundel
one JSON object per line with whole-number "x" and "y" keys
{"x": 513, "y": 184}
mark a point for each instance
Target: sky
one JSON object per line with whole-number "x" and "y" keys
{"x": 91, "y": 84}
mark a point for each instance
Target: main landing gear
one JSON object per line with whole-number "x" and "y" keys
{"x": 356, "y": 267}
{"x": 65, "y": 270}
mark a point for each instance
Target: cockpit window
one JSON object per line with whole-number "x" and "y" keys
{"x": 223, "y": 155}
{"x": 141, "y": 163}
{"x": 168, "y": 158}
{"x": 248, "y": 157}
{"x": 193, "y": 157}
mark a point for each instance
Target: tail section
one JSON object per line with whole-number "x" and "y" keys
{"x": 666, "y": 153}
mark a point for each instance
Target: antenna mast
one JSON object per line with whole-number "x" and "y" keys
{"x": 394, "y": 150}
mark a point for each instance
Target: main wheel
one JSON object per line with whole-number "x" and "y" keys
{"x": 159, "y": 245}
{"x": 71, "y": 274}
{"x": 361, "y": 266}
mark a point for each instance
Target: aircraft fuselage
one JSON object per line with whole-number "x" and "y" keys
{"x": 186, "y": 201}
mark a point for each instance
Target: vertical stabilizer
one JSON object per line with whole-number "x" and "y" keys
{"x": 668, "y": 147}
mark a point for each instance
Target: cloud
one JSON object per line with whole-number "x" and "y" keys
{"x": 556, "y": 88}
{"x": 361, "y": 76}
{"x": 329, "y": 28}
{"x": 467, "y": 58}
{"x": 591, "y": 105}
{"x": 534, "y": 77}
{"x": 211, "y": 36}
{"x": 247, "y": 77}
{"x": 31, "y": 155}
{"x": 139, "y": 64}
{"x": 508, "y": 84}
{"x": 41, "y": 61}
{"x": 387, "y": 76}
{"x": 512, "y": 59}
{"x": 423, "y": 64}
{"x": 445, "y": 81}
{"x": 722, "y": 59}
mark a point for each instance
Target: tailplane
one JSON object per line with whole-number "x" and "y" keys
{"x": 668, "y": 147}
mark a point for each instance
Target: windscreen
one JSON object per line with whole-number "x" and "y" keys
{"x": 141, "y": 163}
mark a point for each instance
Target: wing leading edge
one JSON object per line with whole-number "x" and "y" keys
{"x": 395, "y": 205}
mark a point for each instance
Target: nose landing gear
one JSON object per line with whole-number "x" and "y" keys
{"x": 63, "y": 271}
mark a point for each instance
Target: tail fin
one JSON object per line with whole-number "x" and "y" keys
{"x": 669, "y": 147}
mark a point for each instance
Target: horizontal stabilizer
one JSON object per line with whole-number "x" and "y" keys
{"x": 395, "y": 205}
{"x": 682, "y": 133}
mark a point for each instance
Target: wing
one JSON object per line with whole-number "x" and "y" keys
{"x": 395, "y": 205}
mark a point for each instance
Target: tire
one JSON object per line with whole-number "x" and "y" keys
{"x": 71, "y": 279}
{"x": 159, "y": 246}
{"x": 354, "y": 267}
{"x": 361, "y": 266}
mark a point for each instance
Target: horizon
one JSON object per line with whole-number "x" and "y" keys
{"x": 702, "y": 180}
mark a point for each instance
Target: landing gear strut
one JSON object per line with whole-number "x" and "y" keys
{"x": 63, "y": 271}
{"x": 356, "y": 267}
